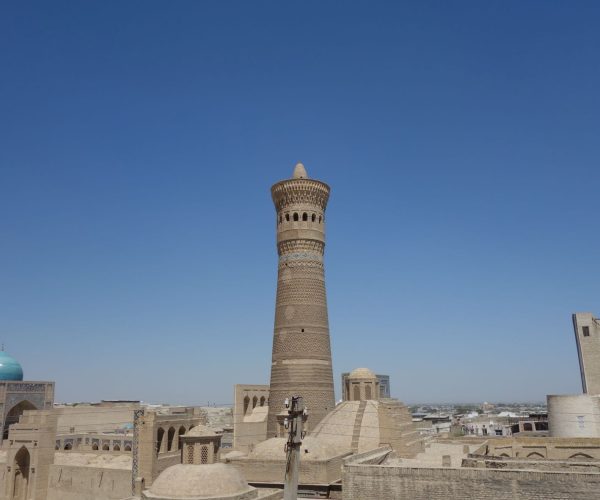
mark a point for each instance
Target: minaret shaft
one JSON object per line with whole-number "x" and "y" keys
{"x": 301, "y": 363}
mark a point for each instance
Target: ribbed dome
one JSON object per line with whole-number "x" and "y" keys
{"x": 312, "y": 448}
{"x": 10, "y": 369}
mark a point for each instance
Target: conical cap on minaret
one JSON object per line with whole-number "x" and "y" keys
{"x": 299, "y": 172}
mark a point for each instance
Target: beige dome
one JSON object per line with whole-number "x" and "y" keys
{"x": 340, "y": 425}
{"x": 362, "y": 426}
{"x": 180, "y": 482}
{"x": 300, "y": 172}
{"x": 200, "y": 431}
{"x": 362, "y": 373}
{"x": 312, "y": 448}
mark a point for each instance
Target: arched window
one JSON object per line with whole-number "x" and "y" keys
{"x": 204, "y": 455}
{"x": 254, "y": 402}
{"x": 127, "y": 447}
{"x": 246, "y": 404}
{"x": 116, "y": 447}
{"x": 68, "y": 446}
{"x": 367, "y": 391}
{"x": 262, "y": 401}
{"x": 287, "y": 217}
{"x": 313, "y": 217}
{"x": 304, "y": 216}
{"x": 159, "y": 437}
{"x": 180, "y": 433}
{"x": 295, "y": 216}
{"x": 95, "y": 447}
{"x": 105, "y": 447}
{"x": 170, "y": 437}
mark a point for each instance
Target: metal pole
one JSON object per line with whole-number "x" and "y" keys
{"x": 295, "y": 426}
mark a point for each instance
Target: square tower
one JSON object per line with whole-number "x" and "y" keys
{"x": 587, "y": 336}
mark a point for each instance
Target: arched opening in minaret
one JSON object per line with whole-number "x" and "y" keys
{"x": 254, "y": 402}
{"x": 295, "y": 216}
{"x": 287, "y": 217}
{"x": 246, "y": 404}
{"x": 313, "y": 217}
{"x": 304, "y": 216}
{"x": 262, "y": 401}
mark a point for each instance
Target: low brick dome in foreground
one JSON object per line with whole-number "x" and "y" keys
{"x": 192, "y": 482}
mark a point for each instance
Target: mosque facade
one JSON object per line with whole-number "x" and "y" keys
{"x": 18, "y": 395}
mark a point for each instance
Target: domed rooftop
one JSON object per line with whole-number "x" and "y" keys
{"x": 340, "y": 425}
{"x": 362, "y": 373}
{"x": 299, "y": 172}
{"x": 200, "y": 431}
{"x": 313, "y": 448}
{"x": 10, "y": 369}
{"x": 191, "y": 482}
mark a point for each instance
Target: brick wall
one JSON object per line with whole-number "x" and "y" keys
{"x": 88, "y": 483}
{"x": 364, "y": 482}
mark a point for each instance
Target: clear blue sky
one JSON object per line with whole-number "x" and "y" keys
{"x": 139, "y": 141}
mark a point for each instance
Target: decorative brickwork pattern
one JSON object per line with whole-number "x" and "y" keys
{"x": 301, "y": 346}
{"x": 138, "y": 416}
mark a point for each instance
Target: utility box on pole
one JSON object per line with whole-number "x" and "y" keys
{"x": 295, "y": 427}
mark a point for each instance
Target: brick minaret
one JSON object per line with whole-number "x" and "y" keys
{"x": 301, "y": 349}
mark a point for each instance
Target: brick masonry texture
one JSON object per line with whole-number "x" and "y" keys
{"x": 365, "y": 482}
{"x": 301, "y": 361}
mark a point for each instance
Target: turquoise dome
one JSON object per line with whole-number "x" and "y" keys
{"x": 10, "y": 369}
